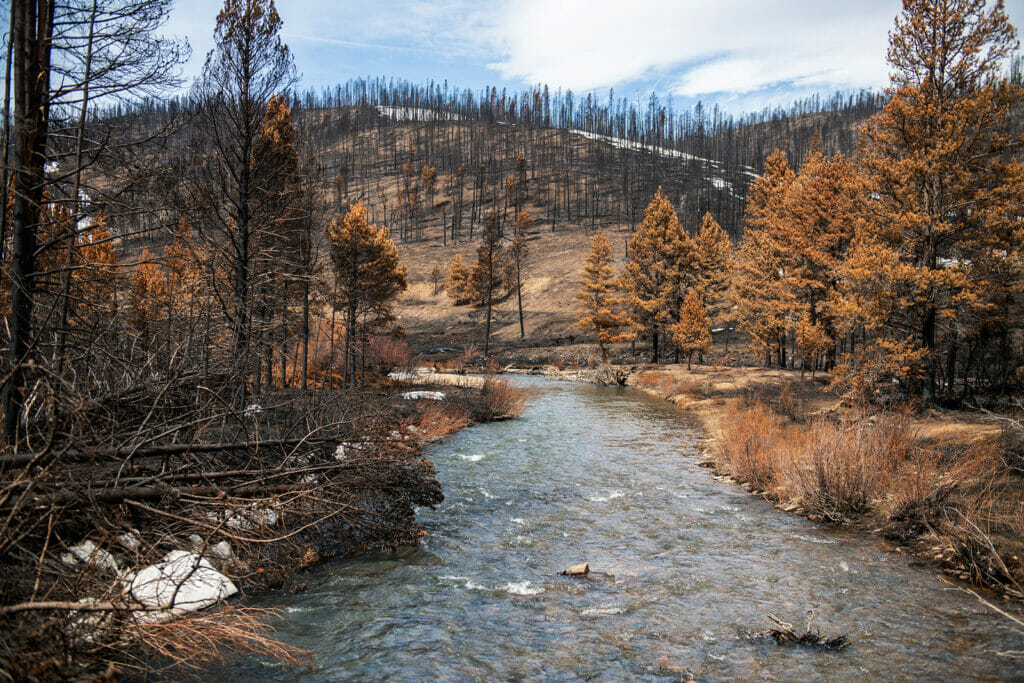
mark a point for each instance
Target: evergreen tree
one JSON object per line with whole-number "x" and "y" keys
{"x": 660, "y": 270}
{"x": 485, "y": 277}
{"x": 939, "y": 164}
{"x": 763, "y": 299}
{"x": 600, "y": 308}
{"x": 693, "y": 331}
{"x": 713, "y": 260}
{"x": 368, "y": 277}
{"x": 456, "y": 284}
{"x": 248, "y": 66}
{"x": 147, "y": 296}
{"x": 518, "y": 252}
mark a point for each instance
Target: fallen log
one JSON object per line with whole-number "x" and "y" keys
{"x": 149, "y": 451}
{"x": 113, "y": 496}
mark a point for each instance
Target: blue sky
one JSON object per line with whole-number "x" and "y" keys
{"x": 742, "y": 55}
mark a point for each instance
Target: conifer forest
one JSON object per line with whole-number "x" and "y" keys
{"x": 264, "y": 338}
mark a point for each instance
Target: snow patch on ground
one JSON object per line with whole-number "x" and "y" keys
{"x": 89, "y": 553}
{"x": 418, "y": 395}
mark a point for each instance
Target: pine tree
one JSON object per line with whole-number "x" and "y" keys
{"x": 456, "y": 284}
{"x": 938, "y": 160}
{"x": 368, "y": 277}
{"x": 518, "y": 253}
{"x": 600, "y": 308}
{"x": 485, "y": 277}
{"x": 713, "y": 259}
{"x": 693, "y": 331}
{"x": 822, "y": 208}
{"x": 435, "y": 277}
{"x": 763, "y": 300}
{"x": 279, "y": 241}
{"x": 248, "y": 66}
{"x": 660, "y": 270}
{"x": 811, "y": 341}
{"x": 147, "y": 296}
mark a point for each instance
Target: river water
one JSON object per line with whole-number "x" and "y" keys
{"x": 684, "y": 569}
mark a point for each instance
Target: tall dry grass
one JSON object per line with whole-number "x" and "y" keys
{"x": 875, "y": 469}
{"x": 500, "y": 400}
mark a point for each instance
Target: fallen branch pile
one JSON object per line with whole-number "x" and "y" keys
{"x": 258, "y": 493}
{"x": 783, "y": 634}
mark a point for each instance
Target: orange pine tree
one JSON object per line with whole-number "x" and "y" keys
{"x": 763, "y": 299}
{"x": 693, "y": 331}
{"x": 939, "y": 165}
{"x": 714, "y": 264}
{"x": 147, "y": 296}
{"x": 600, "y": 308}
{"x": 660, "y": 270}
{"x": 368, "y": 276}
{"x": 456, "y": 284}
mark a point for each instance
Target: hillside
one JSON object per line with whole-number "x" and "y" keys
{"x": 571, "y": 182}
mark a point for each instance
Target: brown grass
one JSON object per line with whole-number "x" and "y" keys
{"x": 196, "y": 641}
{"x": 754, "y": 445}
{"x": 440, "y": 419}
{"x": 874, "y": 470}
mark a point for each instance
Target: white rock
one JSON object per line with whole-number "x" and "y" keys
{"x": 222, "y": 551}
{"x": 417, "y": 395}
{"x": 252, "y": 518}
{"x": 91, "y": 554}
{"x": 182, "y": 582}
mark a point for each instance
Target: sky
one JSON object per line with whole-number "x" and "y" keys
{"x": 742, "y": 55}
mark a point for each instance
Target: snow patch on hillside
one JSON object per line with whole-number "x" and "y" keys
{"x": 622, "y": 143}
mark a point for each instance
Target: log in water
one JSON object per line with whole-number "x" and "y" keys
{"x": 683, "y": 569}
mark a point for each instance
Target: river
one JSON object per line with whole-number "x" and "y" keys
{"x": 684, "y": 569}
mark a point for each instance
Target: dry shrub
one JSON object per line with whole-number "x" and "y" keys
{"x": 492, "y": 366}
{"x": 196, "y": 641}
{"x": 986, "y": 539}
{"x": 468, "y": 357}
{"x": 842, "y": 469}
{"x": 386, "y": 354}
{"x": 500, "y": 399}
{"x": 876, "y": 468}
{"x": 437, "y": 420}
{"x": 647, "y": 379}
{"x": 753, "y": 441}
{"x": 791, "y": 403}
{"x": 667, "y": 385}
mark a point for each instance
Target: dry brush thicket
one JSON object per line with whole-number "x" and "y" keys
{"x": 875, "y": 471}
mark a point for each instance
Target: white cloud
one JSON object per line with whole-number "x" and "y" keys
{"x": 702, "y": 47}
{"x": 740, "y": 53}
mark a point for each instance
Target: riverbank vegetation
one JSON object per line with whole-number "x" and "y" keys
{"x": 206, "y": 410}
{"x": 947, "y": 485}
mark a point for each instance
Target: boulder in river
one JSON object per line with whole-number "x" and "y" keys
{"x": 576, "y": 570}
